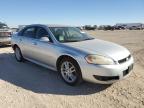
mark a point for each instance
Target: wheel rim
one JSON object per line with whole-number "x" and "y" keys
{"x": 68, "y": 72}
{"x": 17, "y": 53}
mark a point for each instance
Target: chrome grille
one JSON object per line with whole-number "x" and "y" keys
{"x": 124, "y": 60}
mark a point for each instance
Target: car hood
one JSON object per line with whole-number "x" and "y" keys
{"x": 101, "y": 47}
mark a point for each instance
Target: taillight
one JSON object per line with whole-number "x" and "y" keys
{"x": 5, "y": 33}
{"x": 8, "y": 33}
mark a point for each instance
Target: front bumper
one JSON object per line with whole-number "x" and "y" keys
{"x": 106, "y": 74}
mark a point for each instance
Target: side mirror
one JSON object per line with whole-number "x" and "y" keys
{"x": 44, "y": 39}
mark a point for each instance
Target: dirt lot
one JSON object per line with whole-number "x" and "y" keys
{"x": 26, "y": 85}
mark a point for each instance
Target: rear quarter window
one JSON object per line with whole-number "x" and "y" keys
{"x": 28, "y": 32}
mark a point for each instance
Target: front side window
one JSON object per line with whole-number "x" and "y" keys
{"x": 29, "y": 32}
{"x": 69, "y": 34}
{"x": 42, "y": 33}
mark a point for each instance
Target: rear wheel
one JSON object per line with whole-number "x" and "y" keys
{"x": 70, "y": 71}
{"x": 18, "y": 54}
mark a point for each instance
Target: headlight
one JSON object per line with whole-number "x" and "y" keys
{"x": 97, "y": 59}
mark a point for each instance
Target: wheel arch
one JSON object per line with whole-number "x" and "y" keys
{"x": 14, "y": 46}
{"x": 66, "y": 56}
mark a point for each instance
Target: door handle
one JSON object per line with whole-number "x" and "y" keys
{"x": 34, "y": 43}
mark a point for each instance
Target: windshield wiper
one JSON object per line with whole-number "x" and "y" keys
{"x": 88, "y": 39}
{"x": 76, "y": 40}
{"x": 71, "y": 40}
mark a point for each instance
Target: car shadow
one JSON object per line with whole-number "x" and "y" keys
{"x": 41, "y": 80}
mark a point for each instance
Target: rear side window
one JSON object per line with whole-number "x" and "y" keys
{"x": 29, "y": 32}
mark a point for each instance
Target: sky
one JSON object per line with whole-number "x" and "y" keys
{"x": 71, "y": 12}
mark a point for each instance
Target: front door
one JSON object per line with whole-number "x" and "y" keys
{"x": 45, "y": 50}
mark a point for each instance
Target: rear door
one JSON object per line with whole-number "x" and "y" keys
{"x": 27, "y": 41}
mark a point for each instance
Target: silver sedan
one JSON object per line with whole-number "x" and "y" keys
{"x": 74, "y": 54}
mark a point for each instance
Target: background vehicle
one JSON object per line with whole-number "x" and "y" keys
{"x": 5, "y": 34}
{"x": 74, "y": 54}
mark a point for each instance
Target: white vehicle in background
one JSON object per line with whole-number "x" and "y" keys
{"x": 5, "y": 34}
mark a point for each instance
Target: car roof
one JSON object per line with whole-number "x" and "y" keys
{"x": 56, "y": 25}
{"x": 49, "y": 25}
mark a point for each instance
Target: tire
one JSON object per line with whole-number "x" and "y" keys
{"x": 70, "y": 71}
{"x": 18, "y": 54}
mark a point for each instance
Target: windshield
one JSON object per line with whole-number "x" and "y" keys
{"x": 69, "y": 34}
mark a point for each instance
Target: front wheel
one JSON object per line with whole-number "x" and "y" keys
{"x": 70, "y": 71}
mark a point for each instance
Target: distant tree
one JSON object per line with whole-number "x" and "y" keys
{"x": 109, "y": 27}
{"x": 95, "y": 26}
{"x": 101, "y": 27}
{"x": 106, "y": 27}
{"x": 89, "y": 27}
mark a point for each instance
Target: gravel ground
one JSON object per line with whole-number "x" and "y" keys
{"x": 26, "y": 85}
